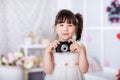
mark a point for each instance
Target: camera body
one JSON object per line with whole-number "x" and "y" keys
{"x": 63, "y": 46}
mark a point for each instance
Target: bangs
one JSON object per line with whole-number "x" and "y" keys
{"x": 62, "y": 18}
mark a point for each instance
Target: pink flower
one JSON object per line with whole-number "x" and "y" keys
{"x": 19, "y": 63}
{"x": 10, "y": 57}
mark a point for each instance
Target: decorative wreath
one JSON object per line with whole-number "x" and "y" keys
{"x": 114, "y": 11}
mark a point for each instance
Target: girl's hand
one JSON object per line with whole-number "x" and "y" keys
{"x": 51, "y": 48}
{"x": 75, "y": 47}
{"x": 117, "y": 76}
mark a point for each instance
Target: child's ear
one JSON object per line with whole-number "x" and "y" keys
{"x": 55, "y": 27}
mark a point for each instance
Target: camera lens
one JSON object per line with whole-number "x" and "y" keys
{"x": 64, "y": 48}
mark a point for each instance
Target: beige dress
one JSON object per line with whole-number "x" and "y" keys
{"x": 65, "y": 67}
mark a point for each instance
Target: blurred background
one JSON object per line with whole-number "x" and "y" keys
{"x": 30, "y": 18}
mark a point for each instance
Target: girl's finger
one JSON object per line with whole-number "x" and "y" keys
{"x": 72, "y": 48}
{"x": 56, "y": 41}
{"x": 70, "y": 40}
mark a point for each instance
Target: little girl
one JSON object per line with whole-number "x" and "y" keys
{"x": 66, "y": 65}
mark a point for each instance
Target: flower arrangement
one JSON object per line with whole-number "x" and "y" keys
{"x": 18, "y": 59}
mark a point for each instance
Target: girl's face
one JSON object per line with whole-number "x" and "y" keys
{"x": 65, "y": 30}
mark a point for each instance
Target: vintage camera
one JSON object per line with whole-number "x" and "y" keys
{"x": 63, "y": 46}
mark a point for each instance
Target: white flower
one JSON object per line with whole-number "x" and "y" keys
{"x": 28, "y": 64}
{"x": 18, "y": 55}
{"x": 29, "y": 61}
{"x": 4, "y": 60}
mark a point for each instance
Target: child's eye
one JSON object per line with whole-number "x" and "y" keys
{"x": 70, "y": 25}
{"x": 61, "y": 24}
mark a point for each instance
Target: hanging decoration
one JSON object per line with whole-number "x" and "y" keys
{"x": 114, "y": 11}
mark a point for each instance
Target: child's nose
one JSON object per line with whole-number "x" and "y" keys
{"x": 66, "y": 28}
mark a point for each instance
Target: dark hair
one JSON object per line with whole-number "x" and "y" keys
{"x": 70, "y": 17}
